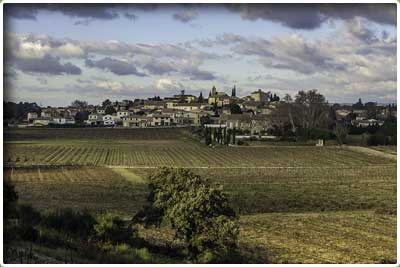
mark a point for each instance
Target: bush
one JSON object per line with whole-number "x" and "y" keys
{"x": 76, "y": 223}
{"x": 340, "y": 133}
{"x": 28, "y": 233}
{"x": 27, "y": 215}
{"x": 144, "y": 254}
{"x": 10, "y": 198}
{"x": 110, "y": 227}
{"x": 378, "y": 139}
{"x": 197, "y": 211}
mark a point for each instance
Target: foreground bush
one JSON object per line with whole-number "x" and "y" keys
{"x": 197, "y": 211}
{"x": 10, "y": 198}
{"x": 76, "y": 223}
{"x": 110, "y": 227}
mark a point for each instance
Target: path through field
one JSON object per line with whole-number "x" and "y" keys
{"x": 373, "y": 152}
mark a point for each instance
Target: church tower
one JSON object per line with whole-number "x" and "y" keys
{"x": 213, "y": 91}
{"x": 234, "y": 91}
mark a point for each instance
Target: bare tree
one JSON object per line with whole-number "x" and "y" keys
{"x": 312, "y": 109}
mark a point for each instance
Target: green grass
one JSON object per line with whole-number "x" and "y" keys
{"x": 129, "y": 175}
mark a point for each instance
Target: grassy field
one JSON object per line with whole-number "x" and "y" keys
{"x": 296, "y": 203}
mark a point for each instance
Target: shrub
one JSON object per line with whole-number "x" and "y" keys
{"x": 27, "y": 215}
{"x": 28, "y": 232}
{"x": 340, "y": 133}
{"x": 377, "y": 139}
{"x": 110, "y": 227}
{"x": 144, "y": 254}
{"x": 10, "y": 198}
{"x": 198, "y": 212}
{"x": 122, "y": 248}
{"x": 77, "y": 223}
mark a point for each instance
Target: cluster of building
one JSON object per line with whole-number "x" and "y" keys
{"x": 178, "y": 110}
{"x": 52, "y": 116}
{"x": 185, "y": 109}
{"x": 361, "y": 117}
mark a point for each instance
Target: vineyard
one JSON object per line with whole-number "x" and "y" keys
{"x": 96, "y": 189}
{"x": 328, "y": 237}
{"x": 296, "y": 204}
{"x": 312, "y": 237}
{"x": 262, "y": 190}
{"x": 103, "y": 134}
{"x": 181, "y": 154}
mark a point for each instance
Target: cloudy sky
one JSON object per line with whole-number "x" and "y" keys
{"x": 57, "y": 53}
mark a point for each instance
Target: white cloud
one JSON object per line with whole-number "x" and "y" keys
{"x": 113, "y": 86}
{"x": 168, "y": 84}
{"x": 69, "y": 50}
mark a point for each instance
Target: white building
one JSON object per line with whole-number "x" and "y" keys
{"x": 94, "y": 119}
{"x": 135, "y": 121}
{"x": 108, "y": 120}
{"x": 160, "y": 120}
{"x": 41, "y": 121}
{"x": 31, "y": 116}
{"x": 122, "y": 114}
{"x": 63, "y": 121}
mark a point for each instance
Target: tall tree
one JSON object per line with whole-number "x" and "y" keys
{"x": 106, "y": 103}
{"x": 200, "y": 99}
{"x": 312, "y": 109}
{"x": 81, "y": 105}
{"x": 110, "y": 110}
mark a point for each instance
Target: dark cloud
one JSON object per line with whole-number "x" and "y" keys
{"x": 85, "y": 12}
{"x": 46, "y": 65}
{"x": 159, "y": 67}
{"x": 186, "y": 15}
{"x": 197, "y": 74}
{"x": 130, "y": 16}
{"x": 10, "y": 73}
{"x": 311, "y": 16}
{"x": 115, "y": 66}
{"x": 187, "y": 68}
{"x": 20, "y": 11}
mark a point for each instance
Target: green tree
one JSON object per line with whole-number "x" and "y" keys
{"x": 106, "y": 103}
{"x": 81, "y": 105}
{"x": 197, "y": 211}
{"x": 81, "y": 116}
{"x": 235, "y": 109}
{"x": 110, "y": 110}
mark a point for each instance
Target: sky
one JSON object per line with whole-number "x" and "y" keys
{"x": 56, "y": 53}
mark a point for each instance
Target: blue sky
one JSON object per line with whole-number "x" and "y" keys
{"x": 58, "y": 53}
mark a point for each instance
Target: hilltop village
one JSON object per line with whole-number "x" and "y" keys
{"x": 257, "y": 113}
